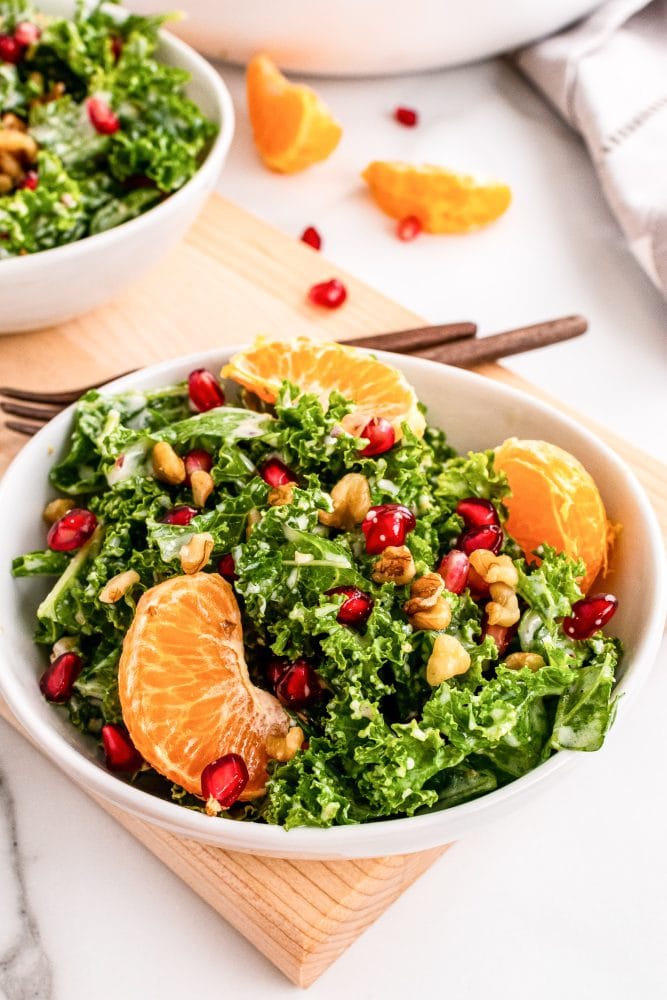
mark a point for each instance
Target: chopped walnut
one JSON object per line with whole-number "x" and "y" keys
{"x": 395, "y": 565}
{"x": 351, "y": 498}
{"x": 436, "y": 618}
{"x": 517, "y": 661}
{"x": 448, "y": 658}
{"x": 493, "y": 568}
{"x": 503, "y": 608}
{"x": 283, "y": 748}
{"x": 424, "y": 593}
{"x": 279, "y": 496}
{"x": 55, "y": 509}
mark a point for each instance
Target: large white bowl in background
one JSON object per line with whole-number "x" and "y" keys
{"x": 46, "y": 288}
{"x": 476, "y": 413}
{"x": 367, "y": 37}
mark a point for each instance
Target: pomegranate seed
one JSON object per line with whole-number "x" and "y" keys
{"x": 205, "y": 390}
{"x": 275, "y": 669}
{"x": 489, "y": 536}
{"x": 477, "y": 512}
{"x": 197, "y": 460}
{"x": 71, "y": 530}
{"x": 380, "y": 436}
{"x": 330, "y": 294}
{"x": 409, "y": 228}
{"x": 356, "y": 609}
{"x": 590, "y": 615}
{"x": 26, "y": 33}
{"x": 101, "y": 116}
{"x": 502, "y": 635}
{"x": 299, "y": 686}
{"x": 180, "y": 515}
{"x": 120, "y": 753}
{"x": 116, "y": 47}
{"x": 57, "y": 681}
{"x": 386, "y": 524}
{"x": 227, "y": 567}
{"x": 11, "y": 50}
{"x": 454, "y": 569}
{"x": 30, "y": 180}
{"x": 406, "y": 116}
{"x": 224, "y": 779}
{"x": 311, "y": 236}
{"x": 305, "y": 745}
{"x": 479, "y": 588}
{"x": 275, "y": 473}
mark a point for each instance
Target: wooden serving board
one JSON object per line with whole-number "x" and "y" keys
{"x": 231, "y": 278}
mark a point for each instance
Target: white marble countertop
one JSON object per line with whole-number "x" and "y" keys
{"x": 565, "y": 898}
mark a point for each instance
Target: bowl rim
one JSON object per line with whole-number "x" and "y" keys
{"x": 201, "y": 70}
{"x": 381, "y": 837}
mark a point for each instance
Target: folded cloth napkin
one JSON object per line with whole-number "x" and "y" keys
{"x": 607, "y": 76}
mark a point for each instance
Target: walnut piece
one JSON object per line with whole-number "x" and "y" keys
{"x": 503, "y": 608}
{"x": 351, "y": 498}
{"x": 395, "y": 565}
{"x": 285, "y": 747}
{"x": 436, "y": 618}
{"x": 279, "y": 496}
{"x": 517, "y": 661}
{"x": 448, "y": 658}
{"x": 55, "y": 509}
{"x": 424, "y": 593}
{"x": 493, "y": 568}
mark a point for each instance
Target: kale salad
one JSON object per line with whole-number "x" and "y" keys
{"x": 424, "y": 661}
{"x": 94, "y": 129}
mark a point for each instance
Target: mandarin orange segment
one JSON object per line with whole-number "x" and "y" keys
{"x": 184, "y": 687}
{"x": 322, "y": 367}
{"x": 444, "y": 202}
{"x": 555, "y": 500}
{"x": 292, "y": 127}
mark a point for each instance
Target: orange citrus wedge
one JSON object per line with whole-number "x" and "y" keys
{"x": 555, "y": 500}
{"x": 184, "y": 687}
{"x": 292, "y": 127}
{"x": 322, "y": 367}
{"x": 443, "y": 202}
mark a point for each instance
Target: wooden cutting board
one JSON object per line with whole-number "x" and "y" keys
{"x": 231, "y": 278}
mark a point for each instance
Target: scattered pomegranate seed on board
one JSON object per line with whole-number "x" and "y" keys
{"x": 311, "y": 236}
{"x": 409, "y": 228}
{"x": 329, "y": 294}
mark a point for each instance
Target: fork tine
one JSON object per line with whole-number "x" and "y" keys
{"x": 42, "y": 413}
{"x": 22, "y": 427}
{"x": 57, "y": 398}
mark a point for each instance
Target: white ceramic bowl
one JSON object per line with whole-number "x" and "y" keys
{"x": 50, "y": 287}
{"x": 476, "y": 413}
{"x": 367, "y": 37}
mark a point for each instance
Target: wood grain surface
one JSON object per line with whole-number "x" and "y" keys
{"x": 231, "y": 278}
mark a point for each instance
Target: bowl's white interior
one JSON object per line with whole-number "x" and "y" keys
{"x": 476, "y": 413}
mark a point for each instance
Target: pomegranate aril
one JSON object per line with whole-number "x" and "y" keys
{"x": 406, "y": 116}
{"x": 590, "y": 615}
{"x": 205, "y": 390}
{"x": 26, "y": 33}
{"x": 489, "y": 536}
{"x": 329, "y": 294}
{"x": 180, "y": 515}
{"x": 311, "y": 236}
{"x": 299, "y": 686}
{"x": 380, "y": 436}
{"x": 57, "y": 681}
{"x": 275, "y": 473}
{"x": 356, "y": 608}
{"x": 101, "y": 116}
{"x": 30, "y": 180}
{"x": 502, "y": 635}
{"x": 197, "y": 460}
{"x": 71, "y": 530}
{"x": 227, "y": 567}
{"x": 386, "y": 524}
{"x": 116, "y": 46}
{"x": 477, "y": 512}
{"x": 11, "y": 50}
{"x": 453, "y": 569}
{"x": 224, "y": 779}
{"x": 275, "y": 669}
{"x": 477, "y": 585}
{"x": 120, "y": 753}
{"x": 409, "y": 228}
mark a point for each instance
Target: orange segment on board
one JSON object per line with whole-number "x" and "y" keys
{"x": 554, "y": 500}
{"x": 322, "y": 367}
{"x": 292, "y": 127}
{"x": 444, "y": 202}
{"x": 184, "y": 687}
